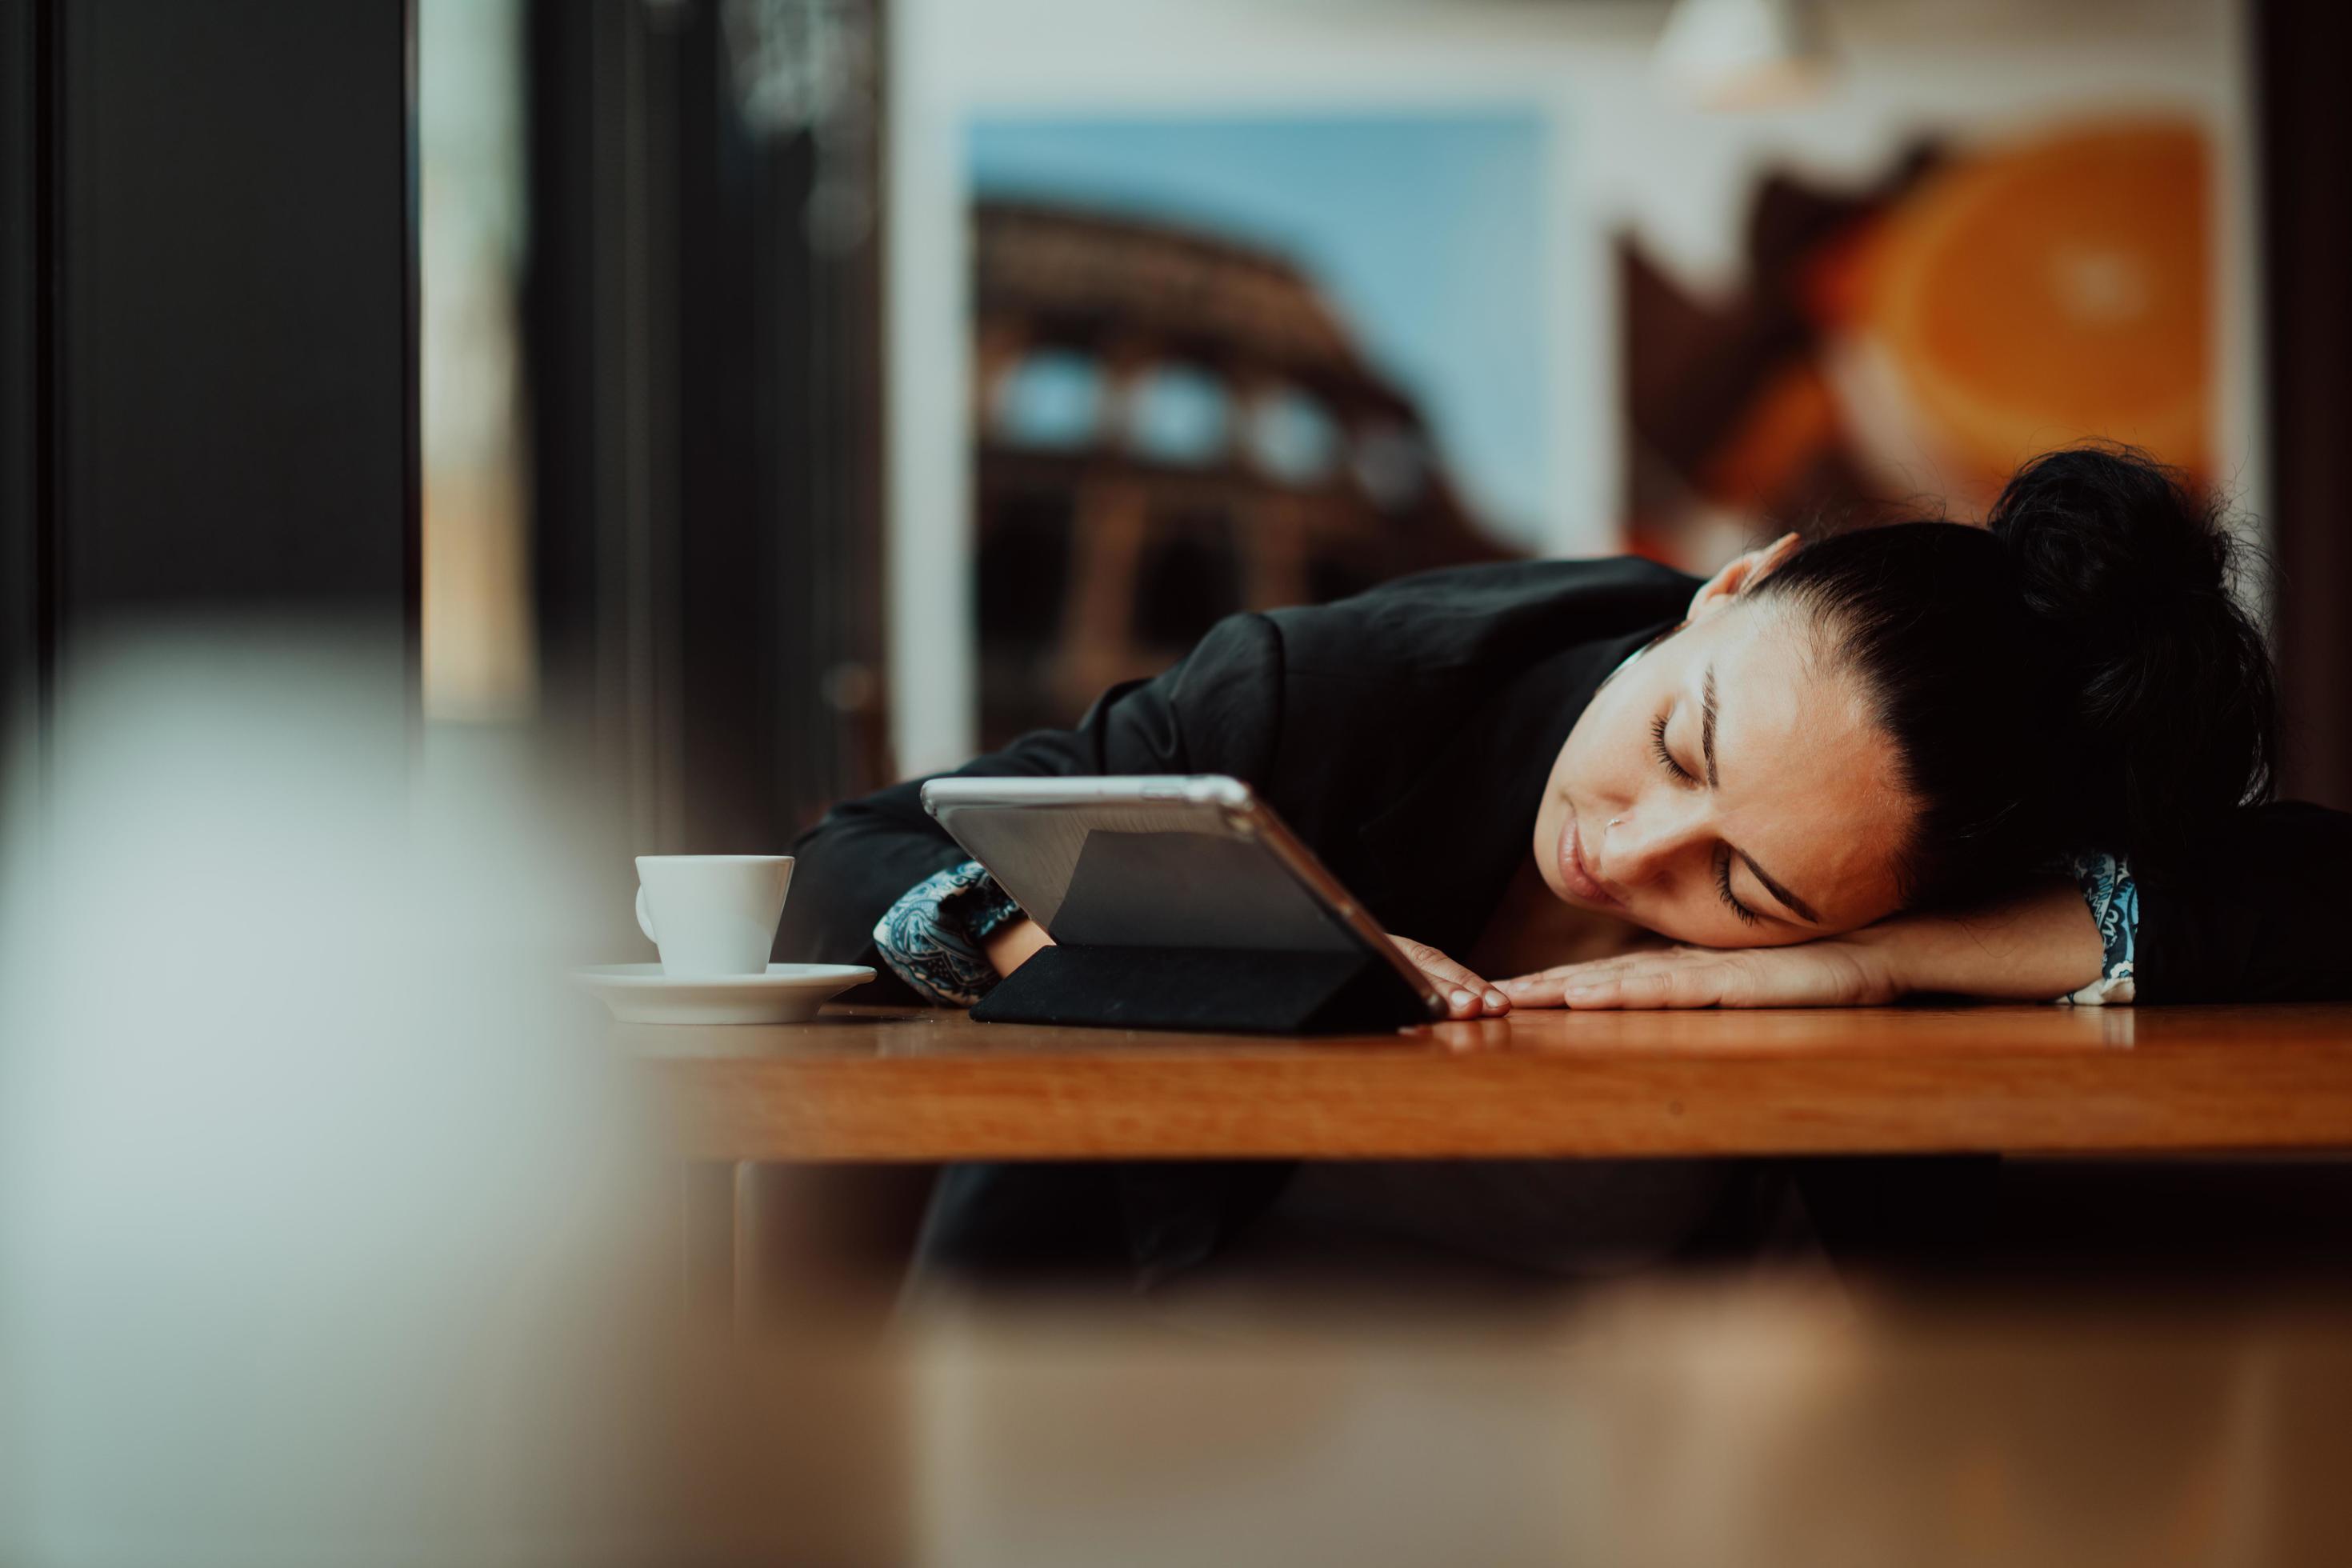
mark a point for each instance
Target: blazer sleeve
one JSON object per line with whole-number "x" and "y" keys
{"x": 2266, "y": 915}
{"x": 1218, "y": 710}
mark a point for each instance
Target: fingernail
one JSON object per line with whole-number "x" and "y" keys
{"x": 1497, "y": 999}
{"x": 1585, "y": 991}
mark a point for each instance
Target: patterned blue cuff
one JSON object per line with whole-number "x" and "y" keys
{"x": 928, "y": 937}
{"x": 2113, "y": 900}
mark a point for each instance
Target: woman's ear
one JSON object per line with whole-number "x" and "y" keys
{"x": 1741, "y": 572}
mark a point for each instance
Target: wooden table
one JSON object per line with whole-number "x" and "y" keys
{"x": 893, "y": 1085}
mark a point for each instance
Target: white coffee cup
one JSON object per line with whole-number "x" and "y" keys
{"x": 712, "y": 914}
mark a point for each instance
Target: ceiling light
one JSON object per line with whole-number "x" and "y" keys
{"x": 1744, "y": 54}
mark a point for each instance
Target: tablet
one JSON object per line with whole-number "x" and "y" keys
{"x": 1181, "y": 861}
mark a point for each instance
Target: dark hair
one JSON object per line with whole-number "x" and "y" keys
{"x": 2076, "y": 674}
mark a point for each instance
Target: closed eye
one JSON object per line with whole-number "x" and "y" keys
{"x": 1666, "y": 758}
{"x": 1722, "y": 886}
{"x": 1723, "y": 857}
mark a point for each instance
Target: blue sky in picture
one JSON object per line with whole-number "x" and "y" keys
{"x": 1425, "y": 228}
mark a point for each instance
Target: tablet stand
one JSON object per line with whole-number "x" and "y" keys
{"x": 1242, "y": 991}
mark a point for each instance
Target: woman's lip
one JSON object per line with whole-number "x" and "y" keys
{"x": 1580, "y": 881}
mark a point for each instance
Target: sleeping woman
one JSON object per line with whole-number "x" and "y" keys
{"x": 2030, "y": 760}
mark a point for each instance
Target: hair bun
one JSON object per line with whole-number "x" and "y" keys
{"x": 2130, "y": 581}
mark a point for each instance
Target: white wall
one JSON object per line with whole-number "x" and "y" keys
{"x": 1624, "y": 155}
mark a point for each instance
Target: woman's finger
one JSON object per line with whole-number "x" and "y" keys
{"x": 1534, "y": 990}
{"x": 1692, "y": 983}
{"x": 1467, "y": 995}
{"x": 1546, "y": 989}
{"x": 1827, "y": 973}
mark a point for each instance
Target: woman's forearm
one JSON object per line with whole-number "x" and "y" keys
{"x": 2040, "y": 945}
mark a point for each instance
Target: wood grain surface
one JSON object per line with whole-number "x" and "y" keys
{"x": 878, "y": 1084}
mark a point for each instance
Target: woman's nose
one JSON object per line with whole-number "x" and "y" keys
{"x": 1645, "y": 840}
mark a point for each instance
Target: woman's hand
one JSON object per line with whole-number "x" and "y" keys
{"x": 1013, "y": 943}
{"x": 1836, "y": 972}
{"x": 1467, "y": 995}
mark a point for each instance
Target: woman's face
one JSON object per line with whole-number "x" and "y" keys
{"x": 1728, "y": 788}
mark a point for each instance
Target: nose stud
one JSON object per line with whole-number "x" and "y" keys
{"x": 1615, "y": 820}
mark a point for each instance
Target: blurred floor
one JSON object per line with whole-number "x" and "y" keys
{"x": 2072, "y": 1361}
{"x": 1786, "y": 1420}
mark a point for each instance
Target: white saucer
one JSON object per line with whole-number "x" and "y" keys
{"x": 786, "y": 994}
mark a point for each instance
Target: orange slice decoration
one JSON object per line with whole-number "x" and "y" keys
{"x": 2044, "y": 294}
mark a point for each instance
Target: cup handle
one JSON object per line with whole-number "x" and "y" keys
{"x": 646, "y": 917}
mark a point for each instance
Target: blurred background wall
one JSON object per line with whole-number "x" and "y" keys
{"x": 700, "y": 338}
{"x": 652, "y": 472}
{"x": 208, "y": 355}
{"x": 2306, "y": 232}
{"x": 805, "y": 392}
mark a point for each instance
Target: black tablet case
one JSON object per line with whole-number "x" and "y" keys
{"x": 1167, "y": 968}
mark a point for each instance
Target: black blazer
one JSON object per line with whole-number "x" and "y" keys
{"x": 1406, "y": 735}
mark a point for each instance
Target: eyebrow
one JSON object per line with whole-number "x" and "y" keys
{"x": 1707, "y": 728}
{"x": 1796, "y": 905}
{"x": 1706, "y": 707}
